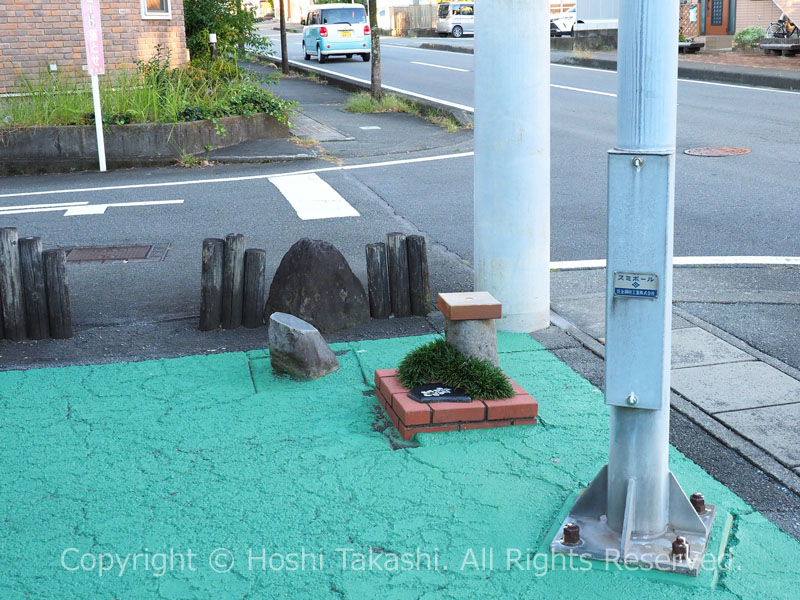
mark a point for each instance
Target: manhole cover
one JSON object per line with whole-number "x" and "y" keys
{"x": 103, "y": 253}
{"x": 717, "y": 151}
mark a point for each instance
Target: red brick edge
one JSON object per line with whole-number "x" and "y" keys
{"x": 410, "y": 417}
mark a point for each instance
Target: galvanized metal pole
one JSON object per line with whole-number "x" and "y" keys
{"x": 512, "y": 160}
{"x": 635, "y": 509}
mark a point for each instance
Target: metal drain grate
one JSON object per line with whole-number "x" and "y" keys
{"x": 142, "y": 253}
{"x": 717, "y": 151}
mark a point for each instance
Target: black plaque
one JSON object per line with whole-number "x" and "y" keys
{"x": 438, "y": 392}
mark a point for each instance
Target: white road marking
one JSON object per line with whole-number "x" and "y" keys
{"x": 694, "y": 261}
{"x": 368, "y": 127}
{"x": 136, "y": 186}
{"x": 72, "y": 209}
{"x": 582, "y": 90}
{"x": 6, "y": 209}
{"x": 413, "y": 62}
{"x": 313, "y": 198}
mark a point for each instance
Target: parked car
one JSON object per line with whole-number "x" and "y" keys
{"x": 456, "y": 18}
{"x": 563, "y": 23}
{"x": 336, "y": 29}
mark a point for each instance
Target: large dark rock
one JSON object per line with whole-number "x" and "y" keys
{"x": 315, "y": 283}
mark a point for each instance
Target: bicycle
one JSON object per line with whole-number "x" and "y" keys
{"x": 783, "y": 28}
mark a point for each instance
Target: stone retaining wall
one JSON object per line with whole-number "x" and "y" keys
{"x": 53, "y": 149}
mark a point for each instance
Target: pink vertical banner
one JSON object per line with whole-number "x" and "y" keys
{"x": 93, "y": 36}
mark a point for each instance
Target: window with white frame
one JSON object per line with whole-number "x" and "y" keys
{"x": 156, "y": 9}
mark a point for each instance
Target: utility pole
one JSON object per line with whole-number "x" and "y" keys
{"x": 512, "y": 161}
{"x": 635, "y": 510}
{"x": 284, "y": 45}
{"x": 375, "y": 39}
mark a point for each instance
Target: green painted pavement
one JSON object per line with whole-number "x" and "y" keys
{"x": 208, "y": 452}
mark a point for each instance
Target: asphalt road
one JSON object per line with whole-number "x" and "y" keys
{"x": 724, "y": 206}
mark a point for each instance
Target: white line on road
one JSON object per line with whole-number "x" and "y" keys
{"x": 99, "y": 209}
{"x": 72, "y": 209}
{"x": 682, "y": 80}
{"x": 313, "y": 198}
{"x": 137, "y": 186}
{"x": 694, "y": 261}
{"x": 413, "y": 62}
{"x": 9, "y": 209}
{"x": 585, "y": 91}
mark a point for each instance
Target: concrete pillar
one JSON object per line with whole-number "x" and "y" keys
{"x": 512, "y": 160}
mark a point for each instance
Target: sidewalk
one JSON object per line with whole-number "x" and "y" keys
{"x": 219, "y": 474}
{"x": 322, "y": 128}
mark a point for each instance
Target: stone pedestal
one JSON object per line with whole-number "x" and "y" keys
{"x": 475, "y": 337}
{"x": 469, "y": 323}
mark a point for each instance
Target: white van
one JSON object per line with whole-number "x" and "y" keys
{"x": 456, "y": 18}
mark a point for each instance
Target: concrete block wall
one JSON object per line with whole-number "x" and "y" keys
{"x": 34, "y": 35}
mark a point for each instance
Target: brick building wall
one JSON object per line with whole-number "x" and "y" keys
{"x": 756, "y": 12}
{"x": 35, "y": 34}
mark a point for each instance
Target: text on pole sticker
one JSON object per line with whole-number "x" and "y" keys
{"x": 635, "y": 285}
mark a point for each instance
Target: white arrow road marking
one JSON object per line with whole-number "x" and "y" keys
{"x": 99, "y": 209}
{"x": 29, "y": 208}
{"x": 312, "y": 197}
{"x": 413, "y": 62}
{"x": 72, "y": 209}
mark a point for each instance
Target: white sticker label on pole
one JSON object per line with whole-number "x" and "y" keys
{"x": 635, "y": 285}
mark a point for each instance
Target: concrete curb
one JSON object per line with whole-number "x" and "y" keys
{"x": 52, "y": 149}
{"x": 446, "y": 48}
{"x": 463, "y": 117}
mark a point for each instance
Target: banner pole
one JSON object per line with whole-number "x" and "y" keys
{"x": 98, "y": 123}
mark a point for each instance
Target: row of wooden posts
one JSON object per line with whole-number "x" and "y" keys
{"x": 233, "y": 286}
{"x": 397, "y": 277}
{"x": 34, "y": 290}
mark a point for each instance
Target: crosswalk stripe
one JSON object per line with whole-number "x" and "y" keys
{"x": 312, "y": 197}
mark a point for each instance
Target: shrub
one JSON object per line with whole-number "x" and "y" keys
{"x": 234, "y": 24}
{"x": 438, "y": 362}
{"x": 750, "y": 36}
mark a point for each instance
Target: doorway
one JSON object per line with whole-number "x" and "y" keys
{"x": 717, "y": 17}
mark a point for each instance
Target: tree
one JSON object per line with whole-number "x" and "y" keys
{"x": 284, "y": 44}
{"x": 234, "y": 27}
{"x": 375, "y": 73}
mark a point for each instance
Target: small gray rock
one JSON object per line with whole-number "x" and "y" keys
{"x": 474, "y": 337}
{"x": 297, "y": 348}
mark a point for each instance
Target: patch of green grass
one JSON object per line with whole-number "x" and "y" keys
{"x": 363, "y": 102}
{"x": 150, "y": 92}
{"x": 438, "y": 362}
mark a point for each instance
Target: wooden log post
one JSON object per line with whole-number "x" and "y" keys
{"x": 255, "y": 287}
{"x": 13, "y": 304}
{"x": 398, "y": 274}
{"x": 57, "y": 292}
{"x": 380, "y": 306}
{"x": 232, "y": 281}
{"x": 37, "y": 322}
{"x": 418, "y": 279}
{"x": 211, "y": 284}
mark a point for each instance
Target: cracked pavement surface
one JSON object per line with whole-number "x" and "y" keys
{"x": 214, "y": 452}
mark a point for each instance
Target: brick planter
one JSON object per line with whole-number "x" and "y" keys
{"x": 410, "y": 416}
